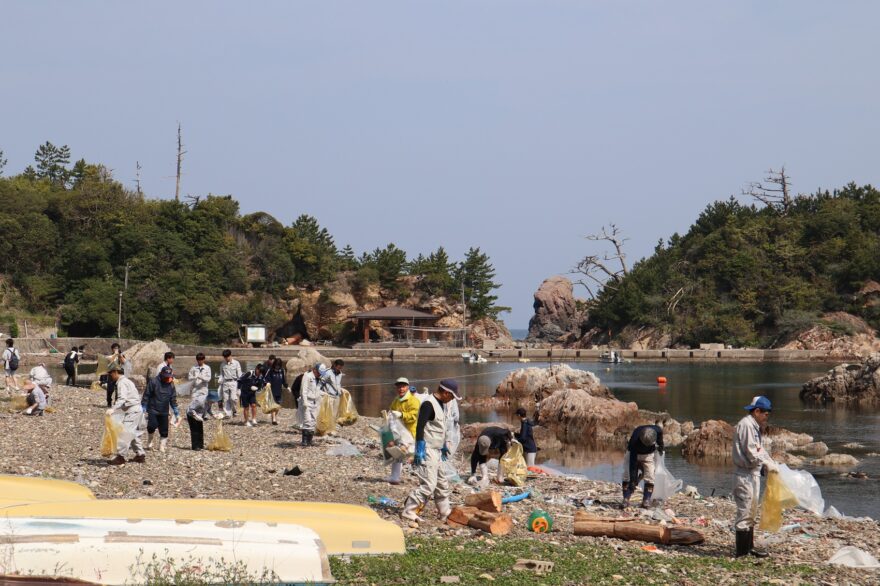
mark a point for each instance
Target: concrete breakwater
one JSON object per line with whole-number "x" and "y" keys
{"x": 42, "y": 346}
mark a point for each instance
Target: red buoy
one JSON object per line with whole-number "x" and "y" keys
{"x": 661, "y": 380}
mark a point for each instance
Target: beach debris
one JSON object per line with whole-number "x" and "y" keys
{"x": 537, "y": 566}
{"x": 493, "y": 523}
{"x": 343, "y": 448}
{"x": 854, "y": 557}
{"x": 295, "y": 471}
{"x": 485, "y": 501}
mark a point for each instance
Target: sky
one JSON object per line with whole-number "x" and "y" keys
{"x": 516, "y": 127}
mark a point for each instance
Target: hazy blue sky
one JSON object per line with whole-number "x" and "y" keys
{"x": 517, "y": 127}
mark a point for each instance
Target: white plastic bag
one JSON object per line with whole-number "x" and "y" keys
{"x": 344, "y": 448}
{"x": 665, "y": 485}
{"x": 804, "y": 487}
{"x": 854, "y": 557}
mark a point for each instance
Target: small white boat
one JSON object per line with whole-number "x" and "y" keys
{"x": 611, "y": 357}
{"x": 473, "y": 358}
{"x": 125, "y": 551}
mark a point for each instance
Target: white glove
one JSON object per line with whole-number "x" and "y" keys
{"x": 771, "y": 466}
{"x": 109, "y": 412}
{"x": 397, "y": 414}
{"x": 253, "y": 388}
{"x": 472, "y": 480}
{"x": 29, "y": 410}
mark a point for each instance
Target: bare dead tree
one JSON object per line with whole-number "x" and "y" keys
{"x": 180, "y": 153}
{"x": 607, "y": 268}
{"x": 774, "y": 192}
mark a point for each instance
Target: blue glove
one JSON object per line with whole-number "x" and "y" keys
{"x": 420, "y": 453}
{"x": 444, "y": 452}
{"x": 176, "y": 412}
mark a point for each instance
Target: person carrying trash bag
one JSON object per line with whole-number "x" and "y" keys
{"x": 406, "y": 408}
{"x": 638, "y": 462}
{"x": 310, "y": 401}
{"x": 199, "y": 409}
{"x": 160, "y": 396}
{"x": 277, "y": 379}
{"x": 751, "y": 460}
{"x": 431, "y": 451}
{"x": 128, "y": 401}
{"x": 493, "y": 442}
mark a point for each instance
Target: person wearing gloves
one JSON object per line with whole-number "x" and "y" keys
{"x": 493, "y": 442}
{"x": 230, "y": 372}
{"x": 198, "y": 409}
{"x": 431, "y": 450}
{"x": 406, "y": 408}
{"x": 160, "y": 396}
{"x": 129, "y": 402}
{"x": 249, "y": 384}
{"x": 332, "y": 379}
{"x": 36, "y": 401}
{"x": 310, "y": 401}
{"x": 638, "y": 462}
{"x": 277, "y": 379}
{"x": 750, "y": 459}
{"x": 526, "y": 437}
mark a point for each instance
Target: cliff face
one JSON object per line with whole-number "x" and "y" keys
{"x": 323, "y": 314}
{"x": 557, "y": 319}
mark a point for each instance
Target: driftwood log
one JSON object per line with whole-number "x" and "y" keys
{"x": 494, "y": 523}
{"x": 462, "y": 515}
{"x": 485, "y": 501}
{"x": 585, "y": 524}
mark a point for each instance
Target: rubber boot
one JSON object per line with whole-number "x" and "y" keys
{"x": 628, "y": 490}
{"x": 743, "y": 542}
{"x": 758, "y": 553}
{"x": 150, "y": 438}
{"x": 396, "y": 468}
{"x": 484, "y": 475}
{"x": 411, "y": 510}
{"x": 163, "y": 443}
{"x": 443, "y": 509}
{"x": 646, "y": 495}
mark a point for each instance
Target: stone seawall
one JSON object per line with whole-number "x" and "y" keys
{"x": 102, "y": 346}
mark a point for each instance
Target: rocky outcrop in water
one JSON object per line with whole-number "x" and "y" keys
{"x": 536, "y": 384}
{"x": 846, "y": 383}
{"x": 305, "y": 358}
{"x": 557, "y": 319}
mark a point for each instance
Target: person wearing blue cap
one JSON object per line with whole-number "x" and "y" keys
{"x": 750, "y": 459}
{"x": 431, "y": 450}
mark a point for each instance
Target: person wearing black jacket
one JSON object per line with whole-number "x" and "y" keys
{"x": 70, "y": 361}
{"x": 160, "y": 396}
{"x": 638, "y": 462}
{"x": 526, "y": 437}
{"x": 251, "y": 382}
{"x": 277, "y": 379}
{"x": 493, "y": 442}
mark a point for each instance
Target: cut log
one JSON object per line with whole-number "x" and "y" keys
{"x": 462, "y": 515}
{"x": 624, "y": 530}
{"x": 685, "y": 536}
{"x": 494, "y": 523}
{"x": 585, "y": 516}
{"x": 485, "y": 501}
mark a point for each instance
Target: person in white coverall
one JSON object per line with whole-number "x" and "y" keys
{"x": 310, "y": 402}
{"x": 200, "y": 374}
{"x": 230, "y": 372}
{"x": 431, "y": 451}
{"x": 750, "y": 459}
{"x": 128, "y": 400}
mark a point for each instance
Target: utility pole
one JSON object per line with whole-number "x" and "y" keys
{"x": 137, "y": 177}
{"x": 464, "y": 334}
{"x": 119, "y": 309}
{"x": 180, "y": 153}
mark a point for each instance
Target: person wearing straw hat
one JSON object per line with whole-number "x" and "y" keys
{"x": 431, "y": 450}
{"x": 128, "y": 400}
{"x": 750, "y": 459}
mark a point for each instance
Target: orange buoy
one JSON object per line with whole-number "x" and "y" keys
{"x": 661, "y": 380}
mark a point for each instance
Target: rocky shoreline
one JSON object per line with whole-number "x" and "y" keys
{"x": 65, "y": 445}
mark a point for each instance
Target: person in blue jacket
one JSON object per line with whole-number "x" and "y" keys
{"x": 526, "y": 437}
{"x": 638, "y": 462}
{"x": 158, "y": 399}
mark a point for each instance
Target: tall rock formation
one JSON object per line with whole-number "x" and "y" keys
{"x": 557, "y": 319}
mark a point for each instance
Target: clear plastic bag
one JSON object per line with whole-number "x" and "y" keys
{"x": 397, "y": 441}
{"x": 804, "y": 487}
{"x": 347, "y": 414}
{"x": 665, "y": 484}
{"x": 777, "y": 498}
{"x": 110, "y": 439}
{"x": 345, "y": 448}
{"x": 221, "y": 442}
{"x": 266, "y": 401}
{"x": 326, "y": 422}
{"x": 451, "y": 472}
{"x": 513, "y": 465}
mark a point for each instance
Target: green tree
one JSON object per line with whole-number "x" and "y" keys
{"x": 3, "y": 162}
{"x": 478, "y": 274}
{"x": 52, "y": 163}
{"x": 437, "y": 273}
{"x": 347, "y": 259}
{"x": 312, "y": 251}
{"x": 389, "y": 264}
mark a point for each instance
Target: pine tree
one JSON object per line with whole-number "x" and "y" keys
{"x": 477, "y": 274}
{"x": 312, "y": 251}
{"x": 347, "y": 259}
{"x": 3, "y": 162}
{"x": 52, "y": 163}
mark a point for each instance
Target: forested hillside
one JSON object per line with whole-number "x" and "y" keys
{"x": 750, "y": 275}
{"x": 73, "y": 238}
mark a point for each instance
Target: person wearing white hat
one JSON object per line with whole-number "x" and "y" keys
{"x": 310, "y": 401}
{"x": 431, "y": 450}
{"x": 750, "y": 459}
{"x": 406, "y": 408}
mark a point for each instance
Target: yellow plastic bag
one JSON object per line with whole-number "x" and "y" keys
{"x": 221, "y": 442}
{"x": 110, "y": 439}
{"x": 513, "y": 465}
{"x": 266, "y": 401}
{"x": 777, "y": 498}
{"x": 326, "y": 415}
{"x": 96, "y": 386}
{"x": 348, "y": 414}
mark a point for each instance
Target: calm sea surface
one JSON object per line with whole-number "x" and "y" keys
{"x": 695, "y": 391}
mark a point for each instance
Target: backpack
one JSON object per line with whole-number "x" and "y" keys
{"x": 13, "y": 359}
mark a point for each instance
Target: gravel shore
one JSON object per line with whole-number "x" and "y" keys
{"x": 66, "y": 445}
